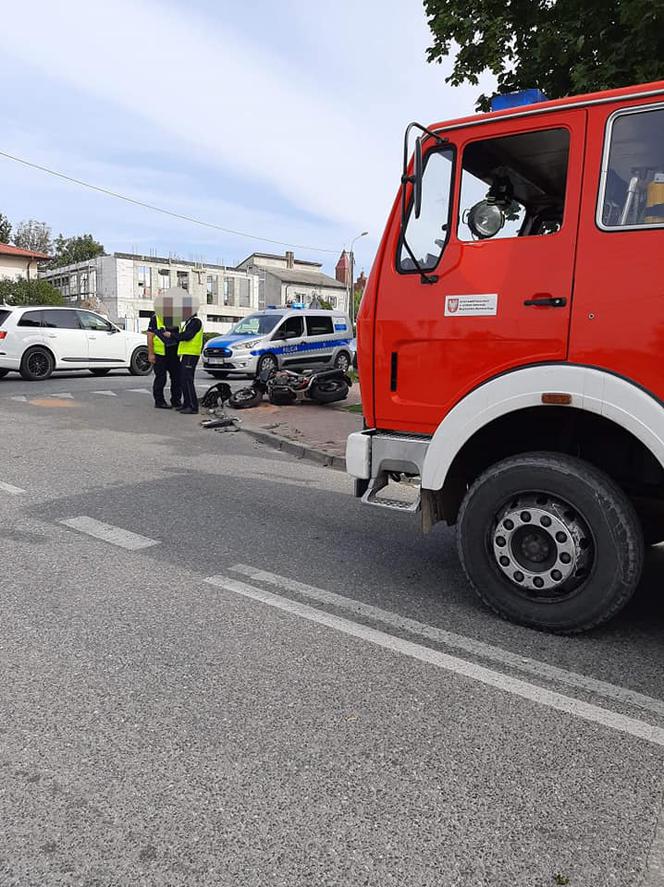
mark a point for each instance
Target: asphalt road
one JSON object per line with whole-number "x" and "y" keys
{"x": 218, "y": 668}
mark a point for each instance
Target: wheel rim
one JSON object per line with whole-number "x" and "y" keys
{"x": 142, "y": 362}
{"x": 542, "y": 546}
{"x": 342, "y": 362}
{"x": 268, "y": 363}
{"x": 38, "y": 363}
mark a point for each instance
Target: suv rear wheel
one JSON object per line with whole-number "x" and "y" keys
{"x": 37, "y": 364}
{"x": 551, "y": 542}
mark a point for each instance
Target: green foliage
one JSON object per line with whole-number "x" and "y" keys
{"x": 5, "y": 229}
{"x": 75, "y": 249}
{"x": 563, "y": 47}
{"x": 33, "y": 235}
{"x": 325, "y": 304}
{"x": 29, "y": 292}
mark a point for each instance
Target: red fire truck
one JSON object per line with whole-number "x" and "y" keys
{"x": 511, "y": 349}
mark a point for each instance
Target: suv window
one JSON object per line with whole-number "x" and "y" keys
{"x": 91, "y": 321}
{"x": 426, "y": 236}
{"x": 61, "y": 320}
{"x": 290, "y": 325}
{"x": 319, "y": 326}
{"x": 633, "y": 170}
{"x": 526, "y": 175}
{"x": 3, "y": 316}
{"x": 30, "y": 318}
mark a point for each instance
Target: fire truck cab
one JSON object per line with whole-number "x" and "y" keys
{"x": 511, "y": 349}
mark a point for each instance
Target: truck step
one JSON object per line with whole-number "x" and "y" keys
{"x": 371, "y": 497}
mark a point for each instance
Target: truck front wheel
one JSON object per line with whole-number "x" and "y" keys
{"x": 549, "y": 541}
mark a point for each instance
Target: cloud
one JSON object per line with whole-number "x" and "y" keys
{"x": 287, "y": 113}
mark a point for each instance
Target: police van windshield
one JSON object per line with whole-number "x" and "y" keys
{"x": 256, "y": 325}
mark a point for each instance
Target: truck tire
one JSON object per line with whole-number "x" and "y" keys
{"x": 549, "y": 541}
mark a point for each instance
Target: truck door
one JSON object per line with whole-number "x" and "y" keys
{"x": 489, "y": 300}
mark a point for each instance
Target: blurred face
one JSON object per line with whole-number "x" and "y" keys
{"x": 175, "y": 305}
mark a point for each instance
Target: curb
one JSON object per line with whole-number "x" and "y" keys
{"x": 299, "y": 450}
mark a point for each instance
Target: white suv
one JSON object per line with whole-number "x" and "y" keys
{"x": 36, "y": 340}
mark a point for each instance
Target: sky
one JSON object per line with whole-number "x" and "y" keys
{"x": 283, "y": 120}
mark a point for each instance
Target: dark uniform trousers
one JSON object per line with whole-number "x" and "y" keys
{"x": 189, "y": 362}
{"x": 168, "y": 363}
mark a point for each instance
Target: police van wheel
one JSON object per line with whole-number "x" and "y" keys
{"x": 139, "y": 364}
{"x": 549, "y": 541}
{"x": 267, "y": 362}
{"x": 342, "y": 361}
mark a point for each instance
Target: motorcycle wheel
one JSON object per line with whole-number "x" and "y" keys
{"x": 244, "y": 398}
{"x": 329, "y": 392}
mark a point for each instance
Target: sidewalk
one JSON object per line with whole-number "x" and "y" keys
{"x": 306, "y": 430}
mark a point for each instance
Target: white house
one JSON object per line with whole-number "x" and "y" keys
{"x": 15, "y": 262}
{"x": 285, "y": 279}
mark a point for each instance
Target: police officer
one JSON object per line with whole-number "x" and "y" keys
{"x": 189, "y": 340}
{"x": 163, "y": 355}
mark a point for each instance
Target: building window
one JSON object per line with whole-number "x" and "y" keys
{"x": 221, "y": 318}
{"x": 73, "y": 284}
{"x": 145, "y": 281}
{"x": 242, "y": 289}
{"x": 164, "y": 278}
{"x": 93, "y": 281}
{"x": 229, "y": 291}
{"x": 183, "y": 279}
{"x": 212, "y": 289}
{"x": 83, "y": 278}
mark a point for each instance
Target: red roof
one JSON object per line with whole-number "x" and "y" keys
{"x": 6, "y": 249}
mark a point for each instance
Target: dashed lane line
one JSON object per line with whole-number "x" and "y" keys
{"x": 505, "y": 683}
{"x": 63, "y": 394}
{"x": 106, "y": 393}
{"x": 108, "y": 533}
{"x": 458, "y": 641}
{"x": 11, "y": 489}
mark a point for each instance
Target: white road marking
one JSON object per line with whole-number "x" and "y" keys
{"x": 506, "y": 683}
{"x": 140, "y": 390}
{"x": 108, "y": 533}
{"x": 106, "y": 393}
{"x": 63, "y": 394}
{"x": 9, "y": 488}
{"x": 459, "y": 641}
{"x": 654, "y": 875}
{"x": 20, "y": 398}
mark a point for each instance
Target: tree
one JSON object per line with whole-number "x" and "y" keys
{"x": 33, "y": 235}
{"x": 562, "y": 47}
{"x": 29, "y": 292}
{"x": 5, "y": 229}
{"x": 75, "y": 249}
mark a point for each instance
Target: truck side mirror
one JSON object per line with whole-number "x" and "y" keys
{"x": 417, "y": 178}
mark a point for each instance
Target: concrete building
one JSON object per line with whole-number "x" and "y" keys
{"x": 123, "y": 286}
{"x": 285, "y": 279}
{"x": 15, "y": 262}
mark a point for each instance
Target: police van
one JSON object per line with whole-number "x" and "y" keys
{"x": 281, "y": 338}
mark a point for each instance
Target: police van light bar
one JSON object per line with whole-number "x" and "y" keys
{"x": 517, "y": 99}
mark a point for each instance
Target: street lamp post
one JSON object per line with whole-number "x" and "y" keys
{"x": 351, "y": 292}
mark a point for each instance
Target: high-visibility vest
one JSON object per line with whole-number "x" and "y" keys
{"x": 157, "y": 344}
{"x": 192, "y": 346}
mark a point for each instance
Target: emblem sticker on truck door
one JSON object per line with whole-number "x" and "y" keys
{"x": 481, "y": 304}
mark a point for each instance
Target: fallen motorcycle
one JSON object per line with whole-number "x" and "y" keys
{"x": 285, "y": 387}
